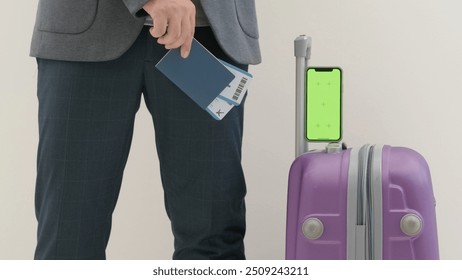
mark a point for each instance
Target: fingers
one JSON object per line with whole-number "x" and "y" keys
{"x": 174, "y": 23}
{"x": 174, "y": 32}
{"x": 184, "y": 41}
{"x": 160, "y": 26}
{"x": 186, "y": 47}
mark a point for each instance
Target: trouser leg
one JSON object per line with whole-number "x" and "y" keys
{"x": 200, "y": 161}
{"x": 86, "y": 118}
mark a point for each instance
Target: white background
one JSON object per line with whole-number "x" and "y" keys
{"x": 253, "y": 269}
{"x": 402, "y": 64}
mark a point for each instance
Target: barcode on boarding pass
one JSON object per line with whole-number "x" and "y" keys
{"x": 239, "y": 89}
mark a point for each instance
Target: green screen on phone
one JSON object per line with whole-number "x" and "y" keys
{"x": 323, "y": 104}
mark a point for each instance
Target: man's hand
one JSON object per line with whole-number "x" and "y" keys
{"x": 174, "y": 23}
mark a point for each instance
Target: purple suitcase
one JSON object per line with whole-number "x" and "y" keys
{"x": 375, "y": 202}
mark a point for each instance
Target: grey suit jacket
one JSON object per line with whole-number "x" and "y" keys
{"x": 101, "y": 30}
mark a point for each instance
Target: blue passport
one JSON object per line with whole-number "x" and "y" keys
{"x": 201, "y": 76}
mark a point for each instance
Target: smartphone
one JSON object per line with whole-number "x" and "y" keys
{"x": 324, "y": 104}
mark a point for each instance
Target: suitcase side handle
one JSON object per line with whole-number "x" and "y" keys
{"x": 302, "y": 51}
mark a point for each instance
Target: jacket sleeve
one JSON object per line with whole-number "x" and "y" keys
{"x": 134, "y": 6}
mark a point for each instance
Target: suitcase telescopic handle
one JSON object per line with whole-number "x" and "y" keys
{"x": 302, "y": 47}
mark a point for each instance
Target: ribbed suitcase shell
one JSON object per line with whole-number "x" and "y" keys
{"x": 318, "y": 188}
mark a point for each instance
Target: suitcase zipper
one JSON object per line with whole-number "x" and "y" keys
{"x": 362, "y": 239}
{"x": 364, "y": 216}
{"x": 374, "y": 223}
{"x": 370, "y": 208}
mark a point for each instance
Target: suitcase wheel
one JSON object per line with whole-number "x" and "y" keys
{"x": 411, "y": 224}
{"x": 312, "y": 228}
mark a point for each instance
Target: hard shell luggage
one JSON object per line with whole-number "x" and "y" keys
{"x": 375, "y": 202}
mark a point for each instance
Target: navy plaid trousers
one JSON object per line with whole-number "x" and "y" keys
{"x": 86, "y": 117}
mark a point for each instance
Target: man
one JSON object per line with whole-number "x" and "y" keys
{"x": 95, "y": 59}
